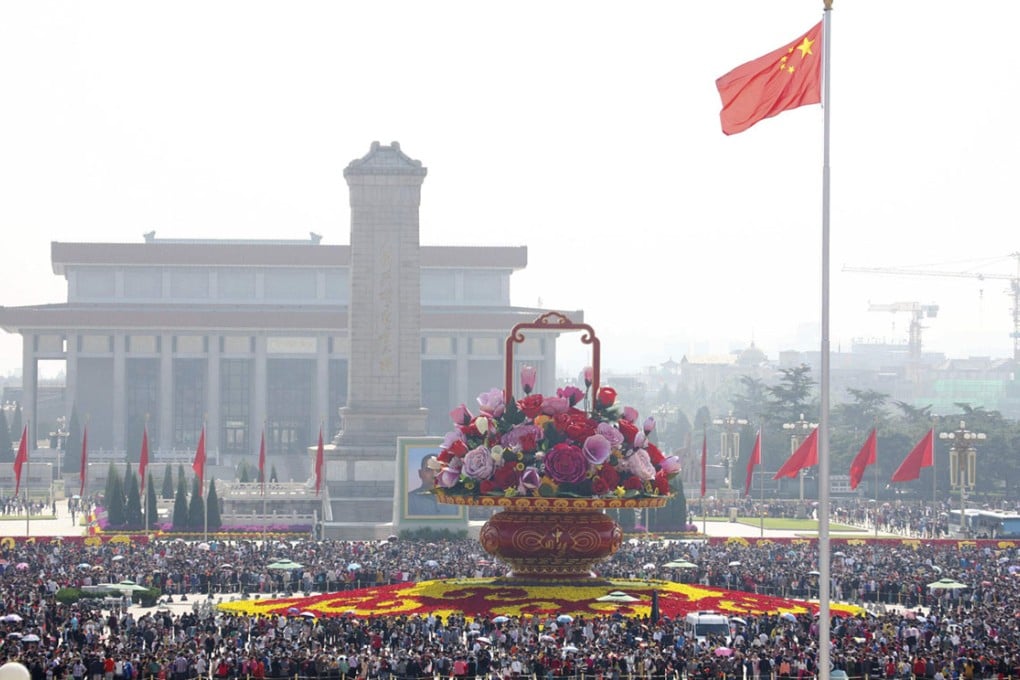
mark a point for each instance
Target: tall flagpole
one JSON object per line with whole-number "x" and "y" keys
{"x": 28, "y": 475}
{"x": 874, "y": 517}
{"x": 761, "y": 464}
{"x": 824, "y": 632}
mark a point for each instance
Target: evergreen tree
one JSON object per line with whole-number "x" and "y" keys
{"x": 672, "y": 517}
{"x": 196, "y": 507}
{"x": 168, "y": 484}
{"x": 214, "y": 520}
{"x": 242, "y": 473}
{"x": 111, "y": 476}
{"x": 180, "y": 516}
{"x": 115, "y": 511}
{"x": 6, "y": 441}
{"x": 72, "y": 446}
{"x": 151, "y": 506}
{"x": 791, "y": 396}
{"x": 132, "y": 501}
{"x": 272, "y": 475}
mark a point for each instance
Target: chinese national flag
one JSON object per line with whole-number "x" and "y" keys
{"x": 804, "y": 457}
{"x": 199, "y": 465}
{"x": 921, "y": 457}
{"x": 704, "y": 461}
{"x": 84, "y": 459}
{"x": 143, "y": 460}
{"x": 262, "y": 462}
{"x": 789, "y": 77}
{"x": 754, "y": 461}
{"x": 20, "y": 459}
{"x": 318, "y": 463}
{"x": 868, "y": 455}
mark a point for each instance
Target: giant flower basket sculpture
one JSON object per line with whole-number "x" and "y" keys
{"x": 554, "y": 464}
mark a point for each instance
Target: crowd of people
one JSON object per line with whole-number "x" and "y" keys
{"x": 911, "y": 631}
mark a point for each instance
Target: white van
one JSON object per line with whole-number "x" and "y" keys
{"x": 699, "y": 626}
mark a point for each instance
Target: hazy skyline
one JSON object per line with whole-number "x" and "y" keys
{"x": 587, "y": 131}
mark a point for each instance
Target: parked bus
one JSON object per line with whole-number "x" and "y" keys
{"x": 985, "y": 524}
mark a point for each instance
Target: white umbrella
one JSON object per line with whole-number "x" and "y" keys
{"x": 564, "y": 618}
{"x": 117, "y": 558}
{"x": 11, "y": 618}
{"x": 353, "y": 566}
{"x": 814, "y": 573}
{"x": 738, "y": 620}
{"x": 431, "y": 563}
{"x": 648, "y": 567}
{"x": 946, "y": 584}
{"x": 570, "y": 648}
{"x": 202, "y": 546}
{"x": 546, "y": 638}
{"x": 84, "y": 565}
{"x": 735, "y": 563}
{"x": 31, "y": 637}
{"x": 680, "y": 564}
{"x": 483, "y": 640}
{"x": 285, "y": 565}
{"x": 501, "y": 619}
{"x": 617, "y": 596}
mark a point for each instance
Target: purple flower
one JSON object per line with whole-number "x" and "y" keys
{"x": 567, "y": 463}
{"x": 649, "y": 425}
{"x": 614, "y": 436}
{"x": 530, "y": 479}
{"x": 597, "y": 449}
{"x": 670, "y": 465}
{"x": 552, "y": 406}
{"x": 528, "y": 376}
{"x": 448, "y": 477}
{"x": 639, "y": 440}
{"x": 512, "y": 439}
{"x": 461, "y": 415}
{"x": 571, "y": 394}
{"x": 454, "y": 436}
{"x": 478, "y": 463}
{"x": 491, "y": 402}
{"x": 630, "y": 414}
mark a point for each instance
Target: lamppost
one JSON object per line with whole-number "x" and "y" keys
{"x": 729, "y": 443}
{"x": 962, "y": 466}
{"x": 798, "y": 430}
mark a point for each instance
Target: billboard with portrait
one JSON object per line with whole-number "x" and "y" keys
{"x": 414, "y": 479}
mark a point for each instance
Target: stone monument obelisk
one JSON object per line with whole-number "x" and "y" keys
{"x": 384, "y": 330}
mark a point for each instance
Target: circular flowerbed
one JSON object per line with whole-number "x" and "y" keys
{"x": 491, "y": 597}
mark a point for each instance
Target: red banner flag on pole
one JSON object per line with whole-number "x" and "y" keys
{"x": 319, "y": 454}
{"x": 785, "y": 79}
{"x": 868, "y": 455}
{"x": 199, "y": 465}
{"x": 804, "y": 457}
{"x": 143, "y": 459}
{"x": 921, "y": 457}
{"x": 83, "y": 472}
{"x": 262, "y": 462}
{"x": 752, "y": 463}
{"x": 704, "y": 462}
{"x": 20, "y": 459}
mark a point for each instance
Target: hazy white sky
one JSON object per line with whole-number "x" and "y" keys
{"x": 587, "y": 131}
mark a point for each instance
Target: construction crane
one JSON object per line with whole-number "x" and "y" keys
{"x": 918, "y": 313}
{"x": 1014, "y": 288}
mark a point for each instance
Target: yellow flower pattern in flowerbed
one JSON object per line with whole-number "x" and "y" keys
{"x": 490, "y": 597}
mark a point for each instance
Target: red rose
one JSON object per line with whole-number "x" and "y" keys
{"x": 529, "y": 443}
{"x": 458, "y": 448}
{"x": 445, "y": 456}
{"x": 574, "y": 424}
{"x": 566, "y": 463}
{"x": 628, "y": 429}
{"x": 610, "y": 476}
{"x": 599, "y": 487}
{"x": 654, "y": 454}
{"x": 633, "y": 483}
{"x": 486, "y": 486}
{"x": 506, "y": 476}
{"x": 531, "y": 405}
{"x": 606, "y": 397}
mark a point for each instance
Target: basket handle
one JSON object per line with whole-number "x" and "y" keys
{"x": 550, "y": 321}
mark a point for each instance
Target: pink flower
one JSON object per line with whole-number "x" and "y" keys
{"x": 589, "y": 376}
{"x": 528, "y": 376}
{"x": 461, "y": 415}
{"x": 530, "y": 479}
{"x": 649, "y": 425}
{"x": 478, "y": 463}
{"x": 639, "y": 465}
{"x": 448, "y": 477}
{"x": 566, "y": 463}
{"x": 630, "y": 414}
{"x": 597, "y": 449}
{"x": 451, "y": 437}
{"x": 571, "y": 394}
{"x": 614, "y": 436}
{"x": 670, "y": 465}
{"x": 492, "y": 402}
{"x": 552, "y": 406}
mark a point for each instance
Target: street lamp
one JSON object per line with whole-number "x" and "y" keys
{"x": 729, "y": 443}
{"x": 798, "y": 430}
{"x": 962, "y": 466}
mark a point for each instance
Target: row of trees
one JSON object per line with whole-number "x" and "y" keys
{"x": 123, "y": 503}
{"x": 899, "y": 427}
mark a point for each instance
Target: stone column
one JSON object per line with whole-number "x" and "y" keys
{"x": 213, "y": 430}
{"x": 29, "y": 390}
{"x": 119, "y": 392}
{"x": 166, "y": 393}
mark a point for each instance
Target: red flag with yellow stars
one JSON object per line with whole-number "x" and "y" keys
{"x": 781, "y": 80}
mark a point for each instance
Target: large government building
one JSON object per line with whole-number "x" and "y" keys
{"x": 246, "y": 336}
